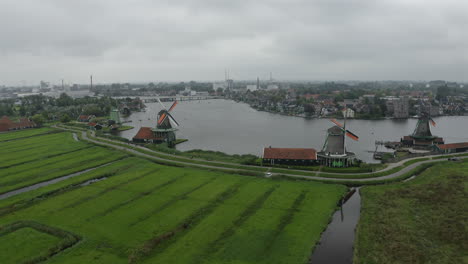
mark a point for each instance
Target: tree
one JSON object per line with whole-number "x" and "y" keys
{"x": 38, "y": 119}
{"x": 64, "y": 100}
{"x": 65, "y": 118}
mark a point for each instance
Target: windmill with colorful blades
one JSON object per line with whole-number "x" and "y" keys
{"x": 334, "y": 153}
{"x": 164, "y": 127}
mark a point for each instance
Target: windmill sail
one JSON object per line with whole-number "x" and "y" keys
{"x": 161, "y": 118}
{"x": 164, "y": 114}
{"x": 349, "y": 134}
{"x": 173, "y": 105}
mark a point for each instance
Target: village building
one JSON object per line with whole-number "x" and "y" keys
{"x": 94, "y": 126}
{"x": 290, "y": 156}
{"x": 401, "y": 107}
{"x": 348, "y": 113}
{"x": 146, "y": 135}
{"x": 7, "y": 125}
{"x": 85, "y": 118}
{"x": 452, "y": 147}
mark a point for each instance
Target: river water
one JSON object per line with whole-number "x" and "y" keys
{"x": 236, "y": 128}
{"x": 336, "y": 243}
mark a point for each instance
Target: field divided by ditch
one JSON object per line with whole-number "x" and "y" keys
{"x": 136, "y": 211}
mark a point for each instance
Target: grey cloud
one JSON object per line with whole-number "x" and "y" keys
{"x": 147, "y": 40}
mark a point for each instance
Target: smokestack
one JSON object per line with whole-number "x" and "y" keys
{"x": 258, "y": 83}
{"x": 91, "y": 78}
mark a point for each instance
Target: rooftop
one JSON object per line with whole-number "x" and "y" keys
{"x": 6, "y": 124}
{"x": 290, "y": 153}
{"x": 453, "y": 145}
{"x": 145, "y": 133}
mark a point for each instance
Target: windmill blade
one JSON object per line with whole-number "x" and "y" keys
{"x": 173, "y": 105}
{"x": 159, "y": 101}
{"x": 337, "y": 123}
{"x": 433, "y": 123}
{"x": 351, "y": 135}
{"x": 162, "y": 118}
{"x": 172, "y": 119}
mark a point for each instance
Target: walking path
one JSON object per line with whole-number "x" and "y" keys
{"x": 248, "y": 168}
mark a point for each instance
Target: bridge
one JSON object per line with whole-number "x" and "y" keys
{"x": 154, "y": 99}
{"x": 178, "y": 98}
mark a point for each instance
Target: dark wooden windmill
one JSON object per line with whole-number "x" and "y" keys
{"x": 422, "y": 135}
{"x": 334, "y": 153}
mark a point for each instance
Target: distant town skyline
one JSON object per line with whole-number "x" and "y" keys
{"x": 144, "y": 41}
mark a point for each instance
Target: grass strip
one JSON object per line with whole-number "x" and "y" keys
{"x": 139, "y": 196}
{"x": 172, "y": 201}
{"x": 106, "y": 190}
{"x": 15, "y": 203}
{"x": 191, "y": 221}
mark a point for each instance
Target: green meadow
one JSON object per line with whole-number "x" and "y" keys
{"x": 13, "y": 135}
{"x": 424, "y": 220}
{"x": 36, "y": 159}
{"x": 137, "y": 211}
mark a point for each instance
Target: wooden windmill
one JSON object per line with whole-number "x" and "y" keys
{"x": 423, "y": 129}
{"x": 422, "y": 136}
{"x": 164, "y": 128}
{"x": 334, "y": 152}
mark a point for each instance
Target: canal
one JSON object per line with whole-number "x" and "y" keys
{"x": 236, "y": 128}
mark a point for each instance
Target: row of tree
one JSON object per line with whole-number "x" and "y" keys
{"x": 64, "y": 108}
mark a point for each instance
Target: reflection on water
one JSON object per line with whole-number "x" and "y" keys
{"x": 336, "y": 243}
{"x": 236, "y": 128}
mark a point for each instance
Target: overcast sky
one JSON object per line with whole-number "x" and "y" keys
{"x": 154, "y": 40}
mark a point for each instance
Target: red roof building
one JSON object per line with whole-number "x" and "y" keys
{"x": 453, "y": 147}
{"x": 300, "y": 156}
{"x": 85, "y": 118}
{"x": 145, "y": 134}
{"x": 7, "y": 125}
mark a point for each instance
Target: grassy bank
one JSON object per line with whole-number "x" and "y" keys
{"x": 206, "y": 154}
{"x": 419, "y": 221}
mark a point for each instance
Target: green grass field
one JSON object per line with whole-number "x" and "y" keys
{"x": 31, "y": 160}
{"x": 24, "y": 133}
{"x": 142, "y": 212}
{"x": 420, "y": 221}
{"x": 38, "y": 242}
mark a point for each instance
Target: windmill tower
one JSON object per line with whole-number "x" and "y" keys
{"x": 114, "y": 119}
{"x": 423, "y": 130}
{"x": 422, "y": 135}
{"x": 164, "y": 130}
{"x": 334, "y": 153}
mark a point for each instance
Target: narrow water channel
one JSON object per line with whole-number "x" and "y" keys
{"x": 46, "y": 183}
{"x": 336, "y": 243}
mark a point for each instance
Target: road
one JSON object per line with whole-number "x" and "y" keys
{"x": 219, "y": 165}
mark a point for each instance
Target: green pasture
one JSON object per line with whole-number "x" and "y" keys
{"x": 38, "y": 148}
{"x": 31, "y": 160}
{"x": 25, "y": 243}
{"x": 16, "y": 134}
{"x": 420, "y": 221}
{"x": 143, "y": 212}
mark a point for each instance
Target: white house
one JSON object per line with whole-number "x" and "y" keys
{"x": 348, "y": 113}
